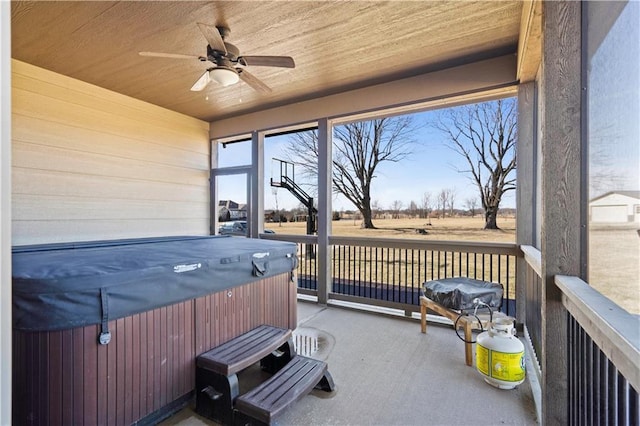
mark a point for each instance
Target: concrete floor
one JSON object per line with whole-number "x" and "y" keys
{"x": 387, "y": 373}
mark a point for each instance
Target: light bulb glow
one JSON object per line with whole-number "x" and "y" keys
{"x": 224, "y": 76}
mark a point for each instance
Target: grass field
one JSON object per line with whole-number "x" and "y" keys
{"x": 451, "y": 229}
{"x": 408, "y": 267}
{"x": 614, "y": 256}
{"x": 614, "y": 264}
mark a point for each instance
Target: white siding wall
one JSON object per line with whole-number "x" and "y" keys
{"x": 92, "y": 164}
{"x": 622, "y": 202}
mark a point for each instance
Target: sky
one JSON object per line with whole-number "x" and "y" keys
{"x": 614, "y": 151}
{"x": 614, "y": 106}
{"x": 431, "y": 167}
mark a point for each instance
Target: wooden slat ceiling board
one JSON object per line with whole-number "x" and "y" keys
{"x": 337, "y": 46}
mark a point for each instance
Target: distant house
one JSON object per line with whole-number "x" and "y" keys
{"x": 269, "y": 215}
{"x": 615, "y": 207}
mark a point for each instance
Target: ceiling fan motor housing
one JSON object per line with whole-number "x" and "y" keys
{"x": 216, "y": 55}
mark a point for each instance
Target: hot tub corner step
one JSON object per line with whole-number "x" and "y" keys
{"x": 244, "y": 350}
{"x": 295, "y": 380}
{"x": 216, "y": 370}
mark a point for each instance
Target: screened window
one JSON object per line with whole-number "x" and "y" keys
{"x": 613, "y": 135}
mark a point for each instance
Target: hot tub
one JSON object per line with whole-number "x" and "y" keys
{"x": 108, "y": 332}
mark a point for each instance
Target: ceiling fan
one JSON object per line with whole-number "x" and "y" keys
{"x": 229, "y": 65}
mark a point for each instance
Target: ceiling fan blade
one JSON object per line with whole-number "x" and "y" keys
{"x": 252, "y": 81}
{"x": 268, "y": 61}
{"x": 168, "y": 55}
{"x": 202, "y": 82}
{"x": 213, "y": 37}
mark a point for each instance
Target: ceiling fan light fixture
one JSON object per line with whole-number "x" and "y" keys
{"x": 224, "y": 76}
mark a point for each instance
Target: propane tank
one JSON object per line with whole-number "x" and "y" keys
{"x": 500, "y": 355}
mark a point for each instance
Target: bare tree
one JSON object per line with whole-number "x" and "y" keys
{"x": 485, "y": 135}
{"x": 358, "y": 150}
{"x": 396, "y": 206}
{"x": 443, "y": 198}
{"x": 375, "y": 208}
{"x": 451, "y": 200}
{"x": 604, "y": 173}
{"x": 471, "y": 204}
{"x": 426, "y": 204}
{"x": 413, "y": 208}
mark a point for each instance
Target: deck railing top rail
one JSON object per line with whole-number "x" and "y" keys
{"x": 398, "y": 243}
{"x": 300, "y": 239}
{"x": 440, "y": 245}
{"x": 533, "y": 257}
{"x": 614, "y": 330}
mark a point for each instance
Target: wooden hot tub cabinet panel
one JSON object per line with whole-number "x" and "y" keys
{"x": 225, "y": 315}
{"x": 65, "y": 377}
{"x": 279, "y": 303}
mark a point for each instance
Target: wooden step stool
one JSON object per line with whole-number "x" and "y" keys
{"x": 216, "y": 370}
{"x": 265, "y": 402}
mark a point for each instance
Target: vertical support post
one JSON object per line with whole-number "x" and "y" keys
{"x": 5, "y": 213}
{"x": 325, "y": 144}
{"x": 526, "y": 206}
{"x": 561, "y": 101}
{"x": 213, "y": 188}
{"x": 256, "y": 213}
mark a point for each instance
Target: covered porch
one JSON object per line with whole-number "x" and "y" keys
{"x": 387, "y": 372}
{"x": 97, "y": 143}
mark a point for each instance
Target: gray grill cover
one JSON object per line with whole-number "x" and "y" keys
{"x": 458, "y": 293}
{"x": 69, "y": 285}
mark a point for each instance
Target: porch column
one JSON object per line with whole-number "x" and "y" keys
{"x": 5, "y": 213}
{"x": 256, "y": 215}
{"x": 213, "y": 190}
{"x": 526, "y": 208}
{"x": 562, "y": 198}
{"x": 325, "y": 143}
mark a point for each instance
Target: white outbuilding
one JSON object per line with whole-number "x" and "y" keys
{"x": 615, "y": 207}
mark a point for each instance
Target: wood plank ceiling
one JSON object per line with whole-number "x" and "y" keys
{"x": 337, "y": 46}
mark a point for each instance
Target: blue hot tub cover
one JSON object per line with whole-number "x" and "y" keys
{"x": 69, "y": 285}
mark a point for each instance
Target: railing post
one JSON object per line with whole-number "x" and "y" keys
{"x": 325, "y": 130}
